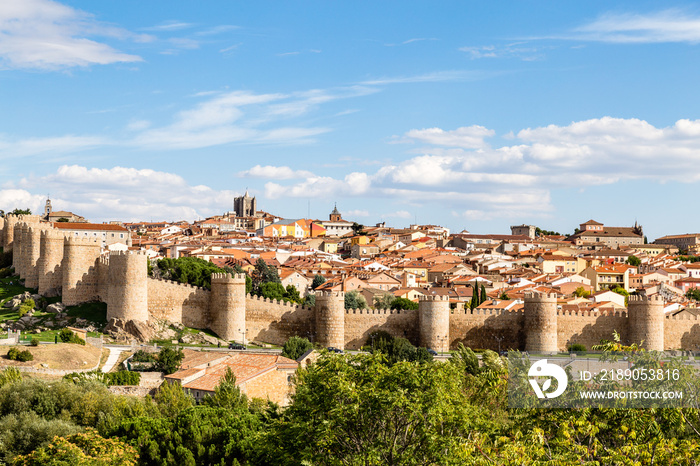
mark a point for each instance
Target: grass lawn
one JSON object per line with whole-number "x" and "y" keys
{"x": 93, "y": 312}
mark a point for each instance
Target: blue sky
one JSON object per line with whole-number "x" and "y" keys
{"x": 472, "y": 115}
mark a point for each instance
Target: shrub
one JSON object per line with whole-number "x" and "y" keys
{"x": 577, "y": 348}
{"x": 26, "y": 306}
{"x": 67, "y": 336}
{"x": 143, "y": 356}
{"x": 35, "y": 342}
{"x": 17, "y": 355}
{"x": 295, "y": 347}
{"x": 6, "y": 272}
{"x": 123, "y": 378}
{"x": 12, "y": 354}
{"x": 169, "y": 360}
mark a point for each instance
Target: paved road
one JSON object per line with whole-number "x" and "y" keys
{"x": 112, "y": 359}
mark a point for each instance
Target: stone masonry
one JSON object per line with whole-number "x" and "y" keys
{"x": 80, "y": 271}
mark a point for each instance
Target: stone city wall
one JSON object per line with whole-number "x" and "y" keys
{"x": 484, "y": 328}
{"x": 682, "y": 332}
{"x": 178, "y": 302}
{"x": 360, "y": 323}
{"x": 273, "y": 321}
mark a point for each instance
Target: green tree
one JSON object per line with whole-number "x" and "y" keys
{"x": 383, "y": 301}
{"x": 227, "y": 394}
{"x": 621, "y": 291}
{"x": 354, "y": 300}
{"x": 190, "y": 270}
{"x": 171, "y": 398}
{"x": 295, "y": 347}
{"x": 292, "y": 294}
{"x": 503, "y": 295}
{"x": 83, "y": 449}
{"x": 272, "y": 290}
{"x": 26, "y": 211}
{"x": 403, "y": 303}
{"x": 357, "y": 229}
{"x": 693, "y": 293}
{"x": 169, "y": 360}
{"x": 318, "y": 281}
{"x": 634, "y": 260}
{"x": 356, "y": 410}
{"x": 581, "y": 292}
{"x": 483, "y": 297}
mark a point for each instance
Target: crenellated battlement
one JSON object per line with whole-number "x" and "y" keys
{"x": 370, "y": 311}
{"x": 330, "y": 294}
{"x": 176, "y": 283}
{"x": 656, "y": 299}
{"x": 433, "y": 298}
{"x": 537, "y": 296}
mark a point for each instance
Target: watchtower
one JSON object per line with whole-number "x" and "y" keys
{"x": 434, "y": 322}
{"x": 330, "y": 319}
{"x": 646, "y": 321}
{"x": 80, "y": 278}
{"x": 8, "y": 236}
{"x": 49, "y": 263}
{"x": 541, "y": 322}
{"x": 128, "y": 286}
{"x": 227, "y": 306}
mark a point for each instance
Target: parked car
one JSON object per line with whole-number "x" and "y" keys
{"x": 237, "y": 346}
{"x": 432, "y": 352}
{"x": 333, "y": 349}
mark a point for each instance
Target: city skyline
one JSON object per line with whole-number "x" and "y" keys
{"x": 471, "y": 116}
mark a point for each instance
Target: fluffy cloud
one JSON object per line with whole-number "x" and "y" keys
{"x": 118, "y": 193}
{"x": 515, "y": 181}
{"x": 47, "y": 35}
{"x": 276, "y": 173}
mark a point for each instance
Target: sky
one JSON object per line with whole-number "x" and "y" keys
{"x": 471, "y": 115}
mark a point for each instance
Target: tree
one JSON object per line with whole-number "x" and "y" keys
{"x": 263, "y": 273}
{"x": 693, "y": 293}
{"x": 295, "y": 347}
{"x": 634, "y": 260}
{"x": 63, "y": 219}
{"x": 190, "y": 270}
{"x": 26, "y": 211}
{"x": 169, "y": 360}
{"x": 354, "y": 300}
{"x": 357, "y": 228}
{"x": 403, "y": 303}
{"x": 383, "y": 301}
{"x": 84, "y": 449}
{"x": 395, "y": 349}
{"x": 171, "y": 398}
{"x": 503, "y": 295}
{"x": 483, "y": 297}
{"x": 356, "y": 410}
{"x": 227, "y": 395}
{"x": 621, "y": 291}
{"x": 318, "y": 281}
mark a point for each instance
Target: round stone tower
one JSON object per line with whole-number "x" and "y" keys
{"x": 330, "y": 319}
{"x": 8, "y": 237}
{"x": 227, "y": 306}
{"x": 17, "y": 247}
{"x": 646, "y": 321}
{"x": 541, "y": 322}
{"x": 32, "y": 253}
{"x": 434, "y": 322}
{"x": 49, "y": 264}
{"x": 80, "y": 278}
{"x": 128, "y": 287}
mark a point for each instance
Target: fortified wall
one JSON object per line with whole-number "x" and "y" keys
{"x": 80, "y": 271}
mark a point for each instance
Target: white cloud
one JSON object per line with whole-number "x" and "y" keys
{"x": 468, "y": 137}
{"x": 11, "y": 199}
{"x": 275, "y": 173}
{"x": 119, "y": 193}
{"x": 664, "y": 26}
{"x": 356, "y": 213}
{"x": 515, "y": 181}
{"x": 44, "y": 34}
{"x": 398, "y": 214}
{"x": 438, "y": 76}
{"x": 520, "y": 50}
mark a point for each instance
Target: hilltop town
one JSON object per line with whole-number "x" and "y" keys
{"x": 339, "y": 281}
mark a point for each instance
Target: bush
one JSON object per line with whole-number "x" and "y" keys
{"x": 295, "y": 347}
{"x": 67, "y": 336}
{"x": 169, "y": 360}
{"x": 123, "y": 378}
{"x": 6, "y": 272}
{"x": 26, "y": 306}
{"x": 17, "y": 355}
{"x": 35, "y": 342}
{"x": 143, "y": 356}
{"x": 577, "y": 348}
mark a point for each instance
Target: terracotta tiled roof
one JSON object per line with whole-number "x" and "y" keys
{"x": 88, "y": 226}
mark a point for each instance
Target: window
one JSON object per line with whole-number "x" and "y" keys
{"x": 121, "y": 235}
